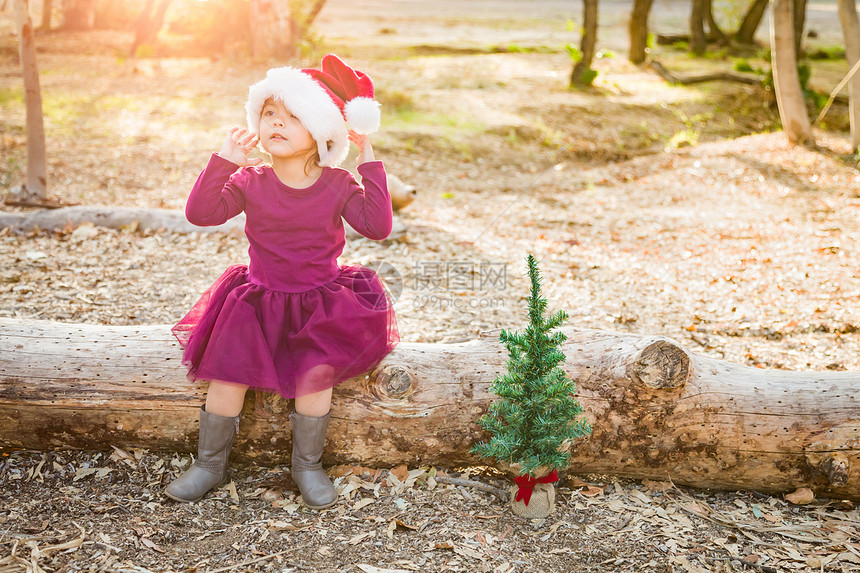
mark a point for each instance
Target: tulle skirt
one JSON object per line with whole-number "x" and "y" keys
{"x": 290, "y": 343}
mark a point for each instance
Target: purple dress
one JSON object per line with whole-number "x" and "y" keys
{"x": 292, "y": 321}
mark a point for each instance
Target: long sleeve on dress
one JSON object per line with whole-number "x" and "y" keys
{"x": 216, "y": 196}
{"x": 368, "y": 210}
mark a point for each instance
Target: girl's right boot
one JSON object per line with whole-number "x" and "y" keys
{"x": 216, "y": 439}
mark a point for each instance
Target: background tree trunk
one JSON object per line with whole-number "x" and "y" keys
{"x": 697, "y": 27}
{"x": 851, "y": 33}
{"x": 582, "y": 74}
{"x": 799, "y": 26}
{"x": 658, "y": 412}
{"x": 35, "y": 187}
{"x": 147, "y": 25}
{"x": 273, "y": 30}
{"x": 79, "y": 14}
{"x": 47, "y": 9}
{"x": 308, "y": 19}
{"x": 638, "y": 28}
{"x": 786, "y": 81}
{"x": 715, "y": 33}
{"x": 752, "y": 20}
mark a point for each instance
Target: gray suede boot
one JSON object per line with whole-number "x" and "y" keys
{"x": 308, "y": 444}
{"x": 210, "y": 470}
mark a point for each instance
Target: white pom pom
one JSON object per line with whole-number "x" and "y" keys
{"x": 362, "y": 114}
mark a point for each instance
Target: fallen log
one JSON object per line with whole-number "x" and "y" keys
{"x": 133, "y": 218}
{"x": 58, "y": 217}
{"x": 110, "y": 217}
{"x": 658, "y": 411}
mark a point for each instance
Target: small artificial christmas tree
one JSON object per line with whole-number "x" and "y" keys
{"x": 538, "y": 416}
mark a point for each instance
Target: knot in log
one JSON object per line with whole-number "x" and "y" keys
{"x": 836, "y": 469}
{"x": 662, "y": 364}
{"x": 391, "y": 381}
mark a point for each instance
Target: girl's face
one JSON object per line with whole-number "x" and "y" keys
{"x": 282, "y": 134}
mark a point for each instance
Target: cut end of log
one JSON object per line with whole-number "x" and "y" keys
{"x": 662, "y": 364}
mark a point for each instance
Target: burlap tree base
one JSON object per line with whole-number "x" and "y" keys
{"x": 541, "y": 504}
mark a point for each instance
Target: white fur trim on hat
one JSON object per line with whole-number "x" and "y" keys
{"x": 362, "y": 114}
{"x": 310, "y": 103}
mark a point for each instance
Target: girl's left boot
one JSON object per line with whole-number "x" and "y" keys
{"x": 308, "y": 444}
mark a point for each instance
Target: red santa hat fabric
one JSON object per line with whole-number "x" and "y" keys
{"x": 324, "y": 100}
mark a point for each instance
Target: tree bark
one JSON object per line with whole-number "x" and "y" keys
{"x": 713, "y": 28}
{"x": 638, "y": 28}
{"x": 35, "y": 187}
{"x": 47, "y": 9}
{"x": 79, "y": 14}
{"x": 851, "y": 33}
{"x": 697, "y": 27}
{"x": 752, "y": 20}
{"x": 582, "y": 74}
{"x": 147, "y": 24}
{"x": 309, "y": 18}
{"x": 273, "y": 30}
{"x": 799, "y": 26}
{"x": 657, "y": 411}
{"x": 786, "y": 81}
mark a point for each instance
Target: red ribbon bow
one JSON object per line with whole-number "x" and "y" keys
{"x": 527, "y": 484}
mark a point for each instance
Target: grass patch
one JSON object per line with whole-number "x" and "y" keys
{"x": 826, "y": 53}
{"x": 395, "y": 101}
{"x": 445, "y": 124}
{"x": 11, "y": 96}
{"x": 436, "y": 50}
{"x": 66, "y": 110}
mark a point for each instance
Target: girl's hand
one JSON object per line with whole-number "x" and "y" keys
{"x": 365, "y": 150}
{"x": 237, "y": 145}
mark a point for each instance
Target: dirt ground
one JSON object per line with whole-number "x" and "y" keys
{"x": 653, "y": 209}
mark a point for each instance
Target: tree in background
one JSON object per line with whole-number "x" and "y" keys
{"x": 263, "y": 29}
{"x": 47, "y": 11}
{"x": 713, "y": 27}
{"x": 583, "y": 74}
{"x": 277, "y": 26}
{"x": 273, "y": 30}
{"x": 786, "y": 79}
{"x": 698, "y": 42}
{"x": 79, "y": 14}
{"x": 35, "y": 186}
{"x": 752, "y": 20}
{"x": 701, "y": 13}
{"x": 799, "y": 26}
{"x": 148, "y": 23}
{"x": 851, "y": 33}
{"x": 638, "y": 30}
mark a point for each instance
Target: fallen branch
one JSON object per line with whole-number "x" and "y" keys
{"x": 745, "y": 561}
{"x": 670, "y": 39}
{"x": 258, "y": 559}
{"x": 499, "y": 493}
{"x": 672, "y": 78}
{"x": 836, "y": 90}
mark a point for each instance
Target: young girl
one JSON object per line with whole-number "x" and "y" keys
{"x": 292, "y": 321}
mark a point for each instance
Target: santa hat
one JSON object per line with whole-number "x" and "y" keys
{"x": 324, "y": 100}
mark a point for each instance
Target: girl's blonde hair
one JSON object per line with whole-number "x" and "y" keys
{"x": 312, "y": 160}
